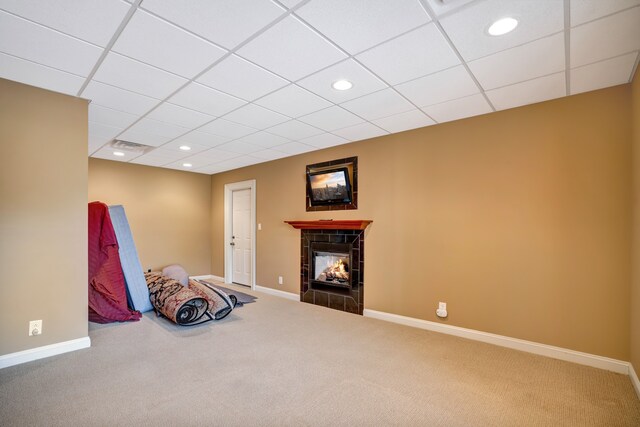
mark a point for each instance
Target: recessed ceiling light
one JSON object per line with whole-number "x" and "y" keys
{"x": 342, "y": 85}
{"x": 185, "y": 148}
{"x": 502, "y": 26}
{"x": 118, "y": 153}
{"x": 187, "y": 165}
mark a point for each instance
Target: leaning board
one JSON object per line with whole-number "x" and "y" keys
{"x": 137, "y": 289}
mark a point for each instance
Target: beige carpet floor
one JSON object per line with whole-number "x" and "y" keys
{"x": 283, "y": 363}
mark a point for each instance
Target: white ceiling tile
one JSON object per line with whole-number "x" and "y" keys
{"x": 256, "y": 117}
{"x": 467, "y": 28}
{"x": 587, "y": 10}
{"x": 216, "y": 155}
{"x": 152, "y": 132}
{"x": 201, "y": 138}
{"x": 363, "y": 82}
{"x": 293, "y": 101}
{"x": 469, "y": 106}
{"x": 440, "y": 7}
{"x": 159, "y": 128}
{"x": 603, "y": 74}
{"x": 118, "y": 99}
{"x": 269, "y": 154}
{"x": 235, "y": 163}
{"x": 110, "y": 117}
{"x": 379, "y": 104}
{"x": 30, "y": 73}
{"x": 291, "y": 3}
{"x": 33, "y": 42}
{"x": 361, "y": 131}
{"x": 529, "y": 92}
{"x": 439, "y": 87}
{"x": 145, "y": 138}
{"x": 168, "y": 155}
{"x": 324, "y": 140}
{"x": 210, "y": 169}
{"x": 94, "y": 21}
{"x": 415, "y": 54}
{"x": 176, "y": 144}
{"x": 294, "y": 130}
{"x": 241, "y": 78}
{"x": 239, "y": 147}
{"x": 147, "y": 160}
{"x": 228, "y": 129}
{"x": 159, "y": 43}
{"x": 107, "y": 154}
{"x": 187, "y": 164}
{"x": 605, "y": 38}
{"x": 206, "y": 100}
{"x": 102, "y": 131}
{"x": 135, "y": 76}
{"x": 264, "y": 139}
{"x": 95, "y": 144}
{"x": 331, "y": 118}
{"x": 538, "y": 58}
{"x": 174, "y": 114}
{"x": 293, "y": 148}
{"x": 291, "y": 50}
{"x": 357, "y": 25}
{"x": 225, "y": 22}
{"x": 404, "y": 121}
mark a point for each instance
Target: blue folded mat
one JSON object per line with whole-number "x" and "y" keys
{"x": 137, "y": 290}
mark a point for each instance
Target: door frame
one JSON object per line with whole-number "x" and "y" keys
{"x": 228, "y": 228}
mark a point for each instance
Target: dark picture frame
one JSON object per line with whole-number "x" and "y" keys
{"x": 342, "y": 172}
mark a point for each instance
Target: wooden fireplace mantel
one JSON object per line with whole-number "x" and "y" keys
{"x": 331, "y": 224}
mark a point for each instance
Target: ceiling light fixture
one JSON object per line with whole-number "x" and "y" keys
{"x": 187, "y": 165}
{"x": 185, "y": 148}
{"x": 118, "y": 153}
{"x": 342, "y": 85}
{"x": 502, "y": 26}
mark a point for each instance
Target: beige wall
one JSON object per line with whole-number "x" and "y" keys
{"x": 169, "y": 211}
{"x": 635, "y": 283}
{"x": 43, "y": 216}
{"x": 519, "y": 220}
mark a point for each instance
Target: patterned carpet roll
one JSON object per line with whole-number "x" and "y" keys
{"x": 176, "y": 302}
{"x": 220, "y": 304}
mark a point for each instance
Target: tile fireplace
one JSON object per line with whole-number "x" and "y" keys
{"x": 332, "y": 264}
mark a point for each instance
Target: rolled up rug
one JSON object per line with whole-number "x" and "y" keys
{"x": 220, "y": 304}
{"x": 176, "y": 302}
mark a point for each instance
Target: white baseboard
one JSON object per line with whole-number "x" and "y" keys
{"x": 593, "y": 360}
{"x": 44, "y": 351}
{"x": 278, "y": 293}
{"x": 634, "y": 379}
{"x": 207, "y": 277}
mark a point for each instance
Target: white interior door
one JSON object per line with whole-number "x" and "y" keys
{"x": 241, "y": 239}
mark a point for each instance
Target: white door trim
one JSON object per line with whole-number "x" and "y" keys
{"x": 228, "y": 232}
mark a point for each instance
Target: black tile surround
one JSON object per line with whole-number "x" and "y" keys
{"x": 349, "y": 300}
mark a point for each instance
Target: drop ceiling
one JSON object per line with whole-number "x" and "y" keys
{"x": 242, "y": 82}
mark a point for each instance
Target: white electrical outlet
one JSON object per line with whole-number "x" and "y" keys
{"x": 280, "y": 281}
{"x": 35, "y": 327}
{"x": 259, "y": 226}
{"x": 442, "y": 310}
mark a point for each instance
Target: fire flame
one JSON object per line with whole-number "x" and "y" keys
{"x": 336, "y": 271}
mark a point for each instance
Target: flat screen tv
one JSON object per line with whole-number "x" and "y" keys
{"x": 329, "y": 187}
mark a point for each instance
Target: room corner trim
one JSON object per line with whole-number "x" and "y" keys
{"x": 587, "y": 359}
{"x": 634, "y": 379}
{"x": 44, "y": 351}
{"x": 278, "y": 293}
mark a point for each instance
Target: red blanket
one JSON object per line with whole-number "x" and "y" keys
{"x": 107, "y": 291}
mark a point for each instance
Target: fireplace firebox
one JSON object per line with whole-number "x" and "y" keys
{"x": 331, "y": 264}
